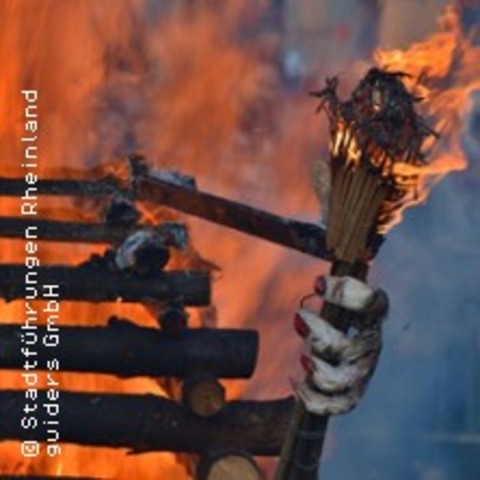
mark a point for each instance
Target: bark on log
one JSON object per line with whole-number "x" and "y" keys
{"x": 108, "y": 185}
{"x": 203, "y": 395}
{"x": 102, "y": 285}
{"x": 228, "y": 465}
{"x": 302, "y": 236}
{"x": 174, "y": 233}
{"x": 127, "y": 350}
{"x": 144, "y": 423}
{"x": 173, "y": 319}
{"x": 305, "y": 237}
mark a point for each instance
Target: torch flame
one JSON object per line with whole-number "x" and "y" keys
{"x": 193, "y": 95}
{"x": 443, "y": 71}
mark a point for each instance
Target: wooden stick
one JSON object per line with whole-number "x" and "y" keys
{"x": 173, "y": 319}
{"x": 124, "y": 349}
{"x": 15, "y": 227}
{"x": 92, "y": 284}
{"x": 305, "y": 237}
{"x": 228, "y": 465}
{"x": 303, "y": 445}
{"x": 86, "y": 232}
{"x": 203, "y": 395}
{"x": 302, "y": 236}
{"x": 145, "y": 423}
{"x": 108, "y": 185}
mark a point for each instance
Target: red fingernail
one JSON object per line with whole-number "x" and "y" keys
{"x": 320, "y": 285}
{"x": 300, "y": 326}
{"x": 307, "y": 363}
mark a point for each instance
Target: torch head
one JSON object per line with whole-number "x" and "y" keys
{"x": 376, "y": 137}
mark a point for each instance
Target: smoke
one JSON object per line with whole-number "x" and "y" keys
{"x": 200, "y": 88}
{"x": 420, "y": 418}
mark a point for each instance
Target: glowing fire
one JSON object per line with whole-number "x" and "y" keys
{"x": 47, "y": 37}
{"x": 116, "y": 76}
{"x": 444, "y": 71}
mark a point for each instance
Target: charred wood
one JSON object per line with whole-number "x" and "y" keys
{"x": 305, "y": 237}
{"x": 302, "y": 236}
{"x": 145, "y": 423}
{"x": 93, "y": 284}
{"x": 143, "y": 252}
{"x": 121, "y": 210}
{"x": 173, "y": 319}
{"x": 126, "y": 350}
{"x": 174, "y": 234}
{"x": 203, "y": 395}
{"x": 108, "y": 185}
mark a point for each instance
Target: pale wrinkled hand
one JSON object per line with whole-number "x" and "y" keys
{"x": 339, "y": 366}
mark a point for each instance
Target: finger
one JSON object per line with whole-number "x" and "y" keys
{"x": 366, "y": 344}
{"x": 320, "y": 404}
{"x": 324, "y": 339}
{"x": 319, "y": 334}
{"x": 330, "y": 379}
{"x": 379, "y": 304}
{"x": 347, "y": 292}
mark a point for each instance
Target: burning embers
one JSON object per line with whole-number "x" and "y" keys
{"x": 138, "y": 267}
{"x": 376, "y": 156}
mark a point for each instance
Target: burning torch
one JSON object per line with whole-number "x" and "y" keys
{"x": 377, "y": 151}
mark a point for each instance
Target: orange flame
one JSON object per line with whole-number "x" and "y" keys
{"x": 444, "y": 71}
{"x": 194, "y": 97}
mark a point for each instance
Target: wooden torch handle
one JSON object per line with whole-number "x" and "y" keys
{"x": 302, "y": 448}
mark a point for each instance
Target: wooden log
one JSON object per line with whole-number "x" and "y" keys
{"x": 145, "y": 423}
{"x": 228, "y": 465}
{"x": 108, "y": 185}
{"x": 203, "y": 395}
{"x": 92, "y": 284}
{"x": 302, "y": 236}
{"x": 60, "y": 231}
{"x": 305, "y": 237}
{"x": 127, "y": 350}
{"x": 121, "y": 210}
{"x": 303, "y": 445}
{"x": 144, "y": 252}
{"x": 173, "y": 319}
{"x": 174, "y": 233}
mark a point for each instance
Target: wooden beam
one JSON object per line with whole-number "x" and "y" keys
{"x": 108, "y": 185}
{"x": 144, "y": 423}
{"x": 174, "y": 233}
{"x": 304, "y": 237}
{"x": 89, "y": 283}
{"x": 124, "y": 349}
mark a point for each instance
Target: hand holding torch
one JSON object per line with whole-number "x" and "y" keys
{"x": 376, "y": 150}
